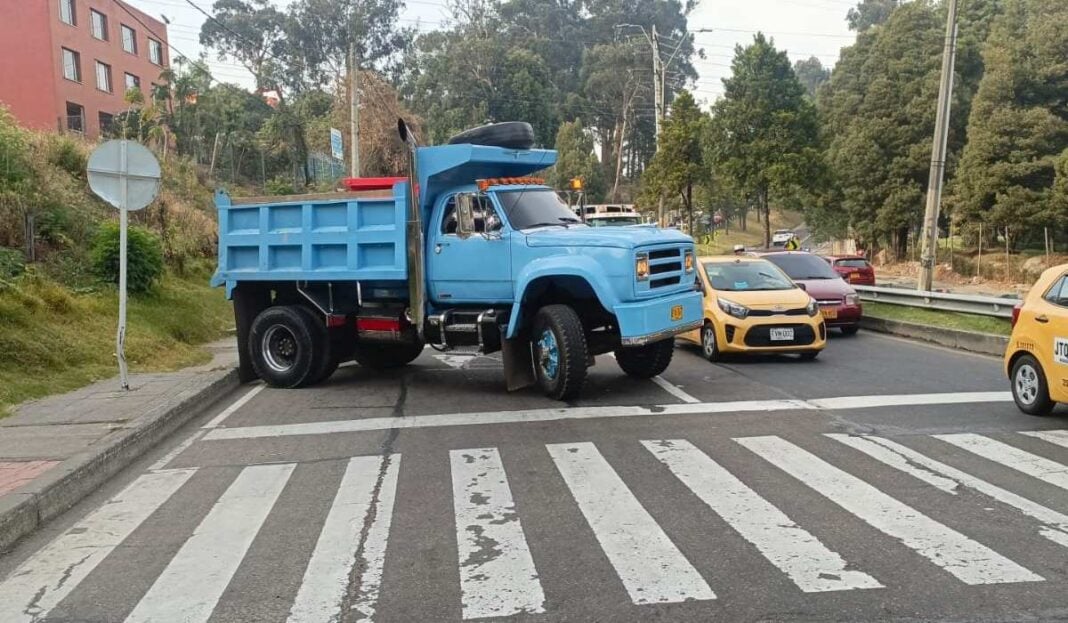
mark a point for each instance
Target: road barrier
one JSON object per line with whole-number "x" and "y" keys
{"x": 944, "y": 301}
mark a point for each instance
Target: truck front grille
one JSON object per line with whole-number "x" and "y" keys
{"x": 666, "y": 270}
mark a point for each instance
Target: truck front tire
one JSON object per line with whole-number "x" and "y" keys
{"x": 385, "y": 356}
{"x": 560, "y": 351}
{"x": 645, "y": 362}
{"x": 287, "y": 346}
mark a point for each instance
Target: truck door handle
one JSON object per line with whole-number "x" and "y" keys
{"x": 438, "y": 246}
{"x": 1043, "y": 318}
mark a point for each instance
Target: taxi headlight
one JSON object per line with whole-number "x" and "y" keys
{"x": 813, "y": 307}
{"x": 641, "y": 266}
{"x": 688, "y": 261}
{"x": 732, "y": 308}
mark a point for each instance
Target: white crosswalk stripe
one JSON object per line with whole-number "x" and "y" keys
{"x": 801, "y": 556}
{"x": 326, "y": 579}
{"x": 1058, "y": 437}
{"x": 38, "y": 584}
{"x": 934, "y": 472}
{"x": 651, "y": 568}
{"x": 497, "y": 574}
{"x": 1020, "y": 460}
{"x": 196, "y": 577}
{"x": 969, "y": 561}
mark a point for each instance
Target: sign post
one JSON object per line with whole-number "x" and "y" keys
{"x": 126, "y": 175}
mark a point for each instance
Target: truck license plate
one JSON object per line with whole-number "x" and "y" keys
{"x": 676, "y": 312}
{"x": 782, "y": 335}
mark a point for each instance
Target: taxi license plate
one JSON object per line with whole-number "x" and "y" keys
{"x": 829, "y": 312}
{"x": 782, "y": 335}
{"x": 676, "y": 312}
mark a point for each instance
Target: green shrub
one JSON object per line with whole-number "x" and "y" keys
{"x": 65, "y": 153}
{"x": 144, "y": 257}
{"x": 11, "y": 263}
{"x": 279, "y": 186}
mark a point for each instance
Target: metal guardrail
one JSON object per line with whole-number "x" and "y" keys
{"x": 966, "y": 303}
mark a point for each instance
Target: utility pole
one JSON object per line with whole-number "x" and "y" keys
{"x": 938, "y": 154}
{"x": 354, "y": 113}
{"x": 658, "y": 85}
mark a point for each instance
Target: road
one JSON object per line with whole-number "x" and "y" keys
{"x": 884, "y": 481}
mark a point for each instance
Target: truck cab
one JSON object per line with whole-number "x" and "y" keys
{"x": 471, "y": 252}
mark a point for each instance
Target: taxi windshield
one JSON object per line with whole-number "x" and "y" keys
{"x": 745, "y": 276}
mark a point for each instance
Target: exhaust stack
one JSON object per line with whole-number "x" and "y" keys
{"x": 416, "y": 267}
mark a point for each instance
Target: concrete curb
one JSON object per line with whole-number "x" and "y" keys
{"x": 983, "y": 343}
{"x": 22, "y": 511}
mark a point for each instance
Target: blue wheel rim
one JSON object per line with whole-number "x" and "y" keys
{"x": 548, "y": 354}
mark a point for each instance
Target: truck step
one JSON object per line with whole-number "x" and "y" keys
{"x": 462, "y": 328}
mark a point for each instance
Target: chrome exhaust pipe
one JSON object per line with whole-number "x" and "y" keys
{"x": 415, "y": 244}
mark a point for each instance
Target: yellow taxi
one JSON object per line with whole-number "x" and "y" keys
{"x": 1036, "y": 359}
{"x": 751, "y": 306}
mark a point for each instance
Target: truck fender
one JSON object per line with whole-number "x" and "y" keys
{"x": 559, "y": 266}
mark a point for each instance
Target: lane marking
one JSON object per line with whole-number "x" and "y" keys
{"x": 674, "y": 390}
{"x": 579, "y": 413}
{"x": 497, "y": 573}
{"x": 45, "y": 578}
{"x": 196, "y": 577}
{"x": 180, "y": 448}
{"x": 326, "y": 579}
{"x": 971, "y": 562}
{"x": 1058, "y": 437}
{"x": 651, "y": 567}
{"x": 240, "y": 402}
{"x": 1022, "y": 461}
{"x": 905, "y": 400}
{"x": 797, "y": 553}
{"x": 911, "y": 462}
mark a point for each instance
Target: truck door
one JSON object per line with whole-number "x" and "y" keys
{"x": 472, "y": 269}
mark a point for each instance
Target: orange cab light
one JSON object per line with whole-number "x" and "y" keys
{"x": 484, "y": 184}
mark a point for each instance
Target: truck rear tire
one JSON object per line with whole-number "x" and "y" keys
{"x": 328, "y": 362}
{"x": 287, "y": 346}
{"x": 385, "y": 356}
{"x": 645, "y": 362}
{"x": 560, "y": 352}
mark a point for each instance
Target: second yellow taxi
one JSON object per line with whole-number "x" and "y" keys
{"x": 751, "y": 306}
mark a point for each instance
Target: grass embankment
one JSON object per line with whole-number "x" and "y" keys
{"x": 753, "y": 236}
{"x": 936, "y": 318}
{"x": 54, "y": 340}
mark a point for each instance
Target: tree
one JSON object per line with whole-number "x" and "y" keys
{"x": 575, "y": 158}
{"x": 1018, "y": 129}
{"x": 679, "y": 164}
{"x": 765, "y": 129}
{"x": 811, "y": 73}
{"x": 870, "y": 13}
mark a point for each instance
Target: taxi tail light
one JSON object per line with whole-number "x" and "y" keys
{"x": 1016, "y": 313}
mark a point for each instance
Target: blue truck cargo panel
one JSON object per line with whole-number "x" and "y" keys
{"x": 342, "y": 237}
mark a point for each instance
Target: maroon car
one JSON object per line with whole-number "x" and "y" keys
{"x": 853, "y": 268}
{"x": 839, "y": 302}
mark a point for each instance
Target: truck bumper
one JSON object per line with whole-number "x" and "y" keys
{"x": 650, "y": 321}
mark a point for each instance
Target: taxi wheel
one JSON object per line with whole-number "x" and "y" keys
{"x": 709, "y": 346}
{"x": 1029, "y": 388}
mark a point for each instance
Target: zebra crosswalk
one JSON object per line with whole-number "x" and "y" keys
{"x": 498, "y": 570}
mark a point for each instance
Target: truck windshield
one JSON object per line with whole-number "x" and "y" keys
{"x": 535, "y": 208}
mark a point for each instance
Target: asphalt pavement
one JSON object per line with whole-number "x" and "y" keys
{"x": 887, "y": 480}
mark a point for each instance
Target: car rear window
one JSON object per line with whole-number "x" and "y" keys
{"x": 803, "y": 266}
{"x": 852, "y": 263}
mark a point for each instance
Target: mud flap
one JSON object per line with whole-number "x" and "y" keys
{"x": 518, "y": 359}
{"x": 248, "y": 303}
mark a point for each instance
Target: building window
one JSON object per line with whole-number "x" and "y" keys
{"x": 67, "y": 13}
{"x": 103, "y": 76}
{"x": 107, "y": 122}
{"x": 75, "y": 117}
{"x": 132, "y": 82}
{"x": 72, "y": 65}
{"x": 98, "y": 23}
{"x": 155, "y": 52}
{"x": 129, "y": 39}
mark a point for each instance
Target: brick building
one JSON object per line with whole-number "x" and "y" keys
{"x": 66, "y": 64}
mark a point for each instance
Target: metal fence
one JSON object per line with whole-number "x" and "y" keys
{"x": 966, "y": 303}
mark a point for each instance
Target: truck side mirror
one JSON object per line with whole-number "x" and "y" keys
{"x": 465, "y": 215}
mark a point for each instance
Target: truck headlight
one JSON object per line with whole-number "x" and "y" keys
{"x": 813, "y": 308}
{"x": 688, "y": 261}
{"x": 852, "y": 299}
{"x": 641, "y": 266}
{"x": 732, "y": 308}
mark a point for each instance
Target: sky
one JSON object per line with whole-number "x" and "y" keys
{"x": 802, "y": 27}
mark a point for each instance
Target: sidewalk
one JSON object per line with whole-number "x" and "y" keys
{"x": 56, "y": 450}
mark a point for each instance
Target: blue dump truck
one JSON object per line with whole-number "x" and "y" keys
{"x": 469, "y": 252}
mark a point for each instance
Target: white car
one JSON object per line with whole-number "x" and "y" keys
{"x": 781, "y": 237}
